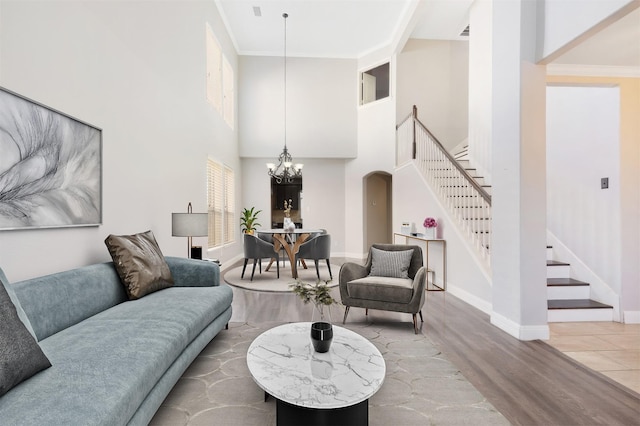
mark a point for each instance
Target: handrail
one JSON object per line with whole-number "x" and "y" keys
{"x": 461, "y": 169}
{"x": 468, "y": 202}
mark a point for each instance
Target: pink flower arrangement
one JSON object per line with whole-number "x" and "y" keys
{"x": 430, "y": 223}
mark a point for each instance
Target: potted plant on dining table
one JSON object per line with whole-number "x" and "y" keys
{"x": 249, "y": 220}
{"x": 320, "y": 295}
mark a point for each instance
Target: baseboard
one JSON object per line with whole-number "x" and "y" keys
{"x": 520, "y": 332}
{"x": 469, "y": 298}
{"x": 631, "y": 317}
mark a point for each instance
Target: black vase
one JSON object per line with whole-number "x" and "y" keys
{"x": 321, "y": 336}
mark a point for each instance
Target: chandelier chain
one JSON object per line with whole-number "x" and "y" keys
{"x": 285, "y": 16}
{"x": 285, "y": 170}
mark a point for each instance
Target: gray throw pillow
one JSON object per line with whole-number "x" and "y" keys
{"x": 12, "y": 295}
{"x": 140, "y": 263}
{"x": 393, "y": 264}
{"x": 20, "y": 355}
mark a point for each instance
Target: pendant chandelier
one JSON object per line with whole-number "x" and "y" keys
{"x": 285, "y": 170}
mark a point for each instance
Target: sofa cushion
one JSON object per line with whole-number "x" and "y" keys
{"x": 20, "y": 355}
{"x": 383, "y": 289}
{"x": 393, "y": 264}
{"x": 140, "y": 263}
{"x": 57, "y": 301}
{"x": 105, "y": 366}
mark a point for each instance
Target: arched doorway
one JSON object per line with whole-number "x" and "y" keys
{"x": 377, "y": 209}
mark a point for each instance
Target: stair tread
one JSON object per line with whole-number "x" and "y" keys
{"x": 557, "y": 263}
{"x": 576, "y": 304}
{"x": 552, "y": 282}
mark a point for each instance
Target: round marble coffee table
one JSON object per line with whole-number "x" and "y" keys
{"x": 316, "y": 388}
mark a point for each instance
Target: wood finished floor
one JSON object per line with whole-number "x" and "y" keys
{"x": 530, "y": 383}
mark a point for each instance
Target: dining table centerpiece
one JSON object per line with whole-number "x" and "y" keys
{"x": 288, "y": 224}
{"x": 320, "y": 295}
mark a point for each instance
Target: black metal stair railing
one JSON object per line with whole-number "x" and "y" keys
{"x": 467, "y": 201}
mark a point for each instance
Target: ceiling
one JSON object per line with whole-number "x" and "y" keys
{"x": 353, "y": 28}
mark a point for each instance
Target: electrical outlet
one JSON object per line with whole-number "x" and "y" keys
{"x": 604, "y": 183}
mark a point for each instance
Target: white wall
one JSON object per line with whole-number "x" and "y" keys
{"x": 467, "y": 278}
{"x": 480, "y": 86}
{"x": 566, "y": 20}
{"x": 434, "y": 76}
{"x": 376, "y": 152}
{"x": 136, "y": 70}
{"x": 321, "y": 107}
{"x": 323, "y": 200}
{"x": 583, "y": 145}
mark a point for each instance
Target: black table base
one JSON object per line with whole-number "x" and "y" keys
{"x": 293, "y": 415}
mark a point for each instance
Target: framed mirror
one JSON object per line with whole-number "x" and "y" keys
{"x": 285, "y": 191}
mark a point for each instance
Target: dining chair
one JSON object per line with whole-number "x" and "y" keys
{"x": 317, "y": 248}
{"x": 257, "y": 249}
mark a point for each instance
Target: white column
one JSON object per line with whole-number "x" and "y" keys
{"x": 518, "y": 243}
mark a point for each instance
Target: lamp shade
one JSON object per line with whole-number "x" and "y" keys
{"x": 189, "y": 224}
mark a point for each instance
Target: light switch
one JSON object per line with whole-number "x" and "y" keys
{"x": 604, "y": 183}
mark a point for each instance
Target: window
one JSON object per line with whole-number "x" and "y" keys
{"x": 221, "y": 204}
{"x": 374, "y": 84}
{"x": 227, "y": 91}
{"x": 214, "y": 73}
{"x": 220, "y": 79}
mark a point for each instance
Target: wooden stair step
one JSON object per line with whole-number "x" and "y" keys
{"x": 556, "y": 263}
{"x": 576, "y": 304}
{"x": 553, "y": 282}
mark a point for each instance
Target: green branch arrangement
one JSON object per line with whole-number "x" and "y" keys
{"x": 319, "y": 294}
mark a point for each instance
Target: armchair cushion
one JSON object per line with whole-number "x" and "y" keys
{"x": 383, "y": 289}
{"x": 394, "y": 264}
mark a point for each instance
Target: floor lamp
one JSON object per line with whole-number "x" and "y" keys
{"x": 190, "y": 225}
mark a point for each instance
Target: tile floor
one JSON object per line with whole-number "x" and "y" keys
{"x": 610, "y": 348}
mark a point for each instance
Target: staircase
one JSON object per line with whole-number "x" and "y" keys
{"x": 468, "y": 197}
{"x": 568, "y": 299}
{"x": 462, "y": 157}
{"x": 453, "y": 179}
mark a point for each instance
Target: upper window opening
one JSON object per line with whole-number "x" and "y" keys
{"x": 374, "y": 84}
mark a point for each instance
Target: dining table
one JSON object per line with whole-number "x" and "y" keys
{"x": 283, "y": 239}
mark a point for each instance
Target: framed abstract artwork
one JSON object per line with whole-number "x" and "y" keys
{"x": 50, "y": 167}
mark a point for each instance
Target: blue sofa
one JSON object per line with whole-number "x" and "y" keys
{"x": 113, "y": 360}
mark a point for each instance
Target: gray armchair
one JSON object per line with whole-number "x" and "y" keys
{"x": 257, "y": 249}
{"x": 360, "y": 289}
{"x": 317, "y": 248}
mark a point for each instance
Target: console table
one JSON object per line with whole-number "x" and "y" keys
{"x": 314, "y": 388}
{"x": 400, "y": 238}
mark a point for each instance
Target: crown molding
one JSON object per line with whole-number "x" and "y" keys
{"x": 593, "y": 70}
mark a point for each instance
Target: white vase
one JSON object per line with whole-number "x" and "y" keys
{"x": 430, "y": 233}
{"x": 288, "y": 225}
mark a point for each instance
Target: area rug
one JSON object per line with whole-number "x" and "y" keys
{"x": 268, "y": 281}
{"x": 421, "y": 387}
